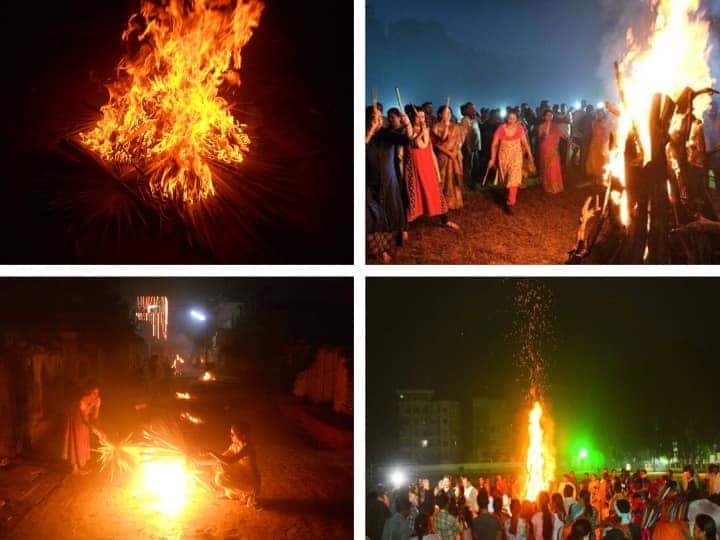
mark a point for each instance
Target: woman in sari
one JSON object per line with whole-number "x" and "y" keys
{"x": 77, "y": 429}
{"x": 447, "y": 138}
{"x": 549, "y": 135}
{"x": 599, "y": 148}
{"x": 422, "y": 177}
{"x": 508, "y": 147}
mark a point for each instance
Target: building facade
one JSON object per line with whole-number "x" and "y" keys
{"x": 429, "y": 429}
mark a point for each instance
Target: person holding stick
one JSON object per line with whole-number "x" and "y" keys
{"x": 422, "y": 177}
{"x": 80, "y": 419}
{"x": 386, "y": 209}
{"x": 508, "y": 147}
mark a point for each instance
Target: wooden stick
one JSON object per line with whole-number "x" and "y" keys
{"x": 397, "y": 95}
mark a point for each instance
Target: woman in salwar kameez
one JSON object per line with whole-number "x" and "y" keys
{"x": 508, "y": 147}
{"x": 447, "y": 138}
{"x": 84, "y": 412}
{"x": 422, "y": 178}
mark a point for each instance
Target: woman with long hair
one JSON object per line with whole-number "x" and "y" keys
{"x": 447, "y": 138}
{"x": 80, "y": 418}
{"x": 549, "y": 135}
{"x": 545, "y": 525}
{"x": 422, "y": 177}
{"x": 704, "y": 528}
{"x": 557, "y": 506}
{"x": 508, "y": 147}
{"x": 516, "y": 526}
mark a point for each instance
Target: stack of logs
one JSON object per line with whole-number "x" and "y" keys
{"x": 672, "y": 219}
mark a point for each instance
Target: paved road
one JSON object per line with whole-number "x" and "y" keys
{"x": 306, "y": 491}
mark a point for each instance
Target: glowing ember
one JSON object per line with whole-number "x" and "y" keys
{"x": 165, "y": 117}
{"x": 538, "y": 473}
{"x": 190, "y": 418}
{"x": 675, "y": 57}
{"x": 182, "y": 395}
{"x": 166, "y": 485}
{"x": 207, "y": 376}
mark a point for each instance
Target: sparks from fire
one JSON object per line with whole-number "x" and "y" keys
{"x": 207, "y": 376}
{"x": 165, "y": 117}
{"x": 190, "y": 418}
{"x": 182, "y": 395}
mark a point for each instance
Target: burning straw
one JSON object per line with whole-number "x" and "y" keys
{"x": 165, "y": 120}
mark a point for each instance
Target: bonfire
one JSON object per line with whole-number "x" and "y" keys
{"x": 656, "y": 207}
{"x": 166, "y": 123}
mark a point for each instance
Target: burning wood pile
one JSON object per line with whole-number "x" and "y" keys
{"x": 656, "y": 208}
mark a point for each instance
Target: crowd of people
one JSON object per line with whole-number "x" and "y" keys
{"x": 610, "y": 505}
{"x": 421, "y": 161}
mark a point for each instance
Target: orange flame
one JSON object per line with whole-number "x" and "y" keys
{"x": 164, "y": 115}
{"x": 540, "y": 467}
{"x": 182, "y": 395}
{"x": 207, "y": 376}
{"x": 675, "y": 57}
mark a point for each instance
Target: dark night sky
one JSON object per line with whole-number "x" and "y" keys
{"x": 498, "y": 53}
{"x": 620, "y": 347}
{"x": 327, "y": 302}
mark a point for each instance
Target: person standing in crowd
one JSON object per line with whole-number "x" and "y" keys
{"x": 470, "y": 494}
{"x": 581, "y": 530}
{"x": 690, "y": 484}
{"x": 422, "y": 177}
{"x": 396, "y": 527}
{"x": 382, "y": 185}
{"x": 704, "y": 528}
{"x": 545, "y": 524}
{"x": 557, "y": 506}
{"x": 485, "y": 526}
{"x": 515, "y": 527}
{"x": 81, "y": 417}
{"x": 711, "y": 125}
{"x": 598, "y": 152}
{"x": 446, "y": 525}
{"x": 549, "y": 136}
{"x": 583, "y": 509}
{"x": 471, "y": 146}
{"x": 568, "y": 496}
{"x": 508, "y": 147}
{"x": 620, "y": 525}
{"x": 376, "y": 514}
{"x": 447, "y": 138}
{"x": 427, "y": 108}
{"x": 422, "y": 529}
{"x": 713, "y": 480}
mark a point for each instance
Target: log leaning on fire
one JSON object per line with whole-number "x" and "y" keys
{"x": 672, "y": 218}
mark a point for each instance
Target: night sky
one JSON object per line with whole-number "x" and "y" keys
{"x": 625, "y": 356}
{"x": 319, "y": 308}
{"x": 498, "y": 53}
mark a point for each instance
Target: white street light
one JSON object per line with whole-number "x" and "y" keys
{"x": 198, "y": 315}
{"x": 398, "y": 478}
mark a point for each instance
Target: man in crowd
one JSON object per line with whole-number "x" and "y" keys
{"x": 446, "y": 526}
{"x": 376, "y": 513}
{"x": 397, "y": 528}
{"x": 485, "y": 526}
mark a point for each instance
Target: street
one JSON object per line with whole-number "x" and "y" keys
{"x": 306, "y": 491}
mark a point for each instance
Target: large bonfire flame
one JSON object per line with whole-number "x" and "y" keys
{"x": 165, "y": 117}
{"x": 540, "y": 469}
{"x": 674, "y": 58}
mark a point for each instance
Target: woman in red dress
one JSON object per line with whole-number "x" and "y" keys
{"x": 508, "y": 146}
{"x": 549, "y": 135}
{"x": 422, "y": 176}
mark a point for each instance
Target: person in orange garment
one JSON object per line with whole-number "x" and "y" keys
{"x": 80, "y": 418}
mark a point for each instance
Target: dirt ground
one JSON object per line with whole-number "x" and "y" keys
{"x": 306, "y": 490}
{"x": 542, "y": 230}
